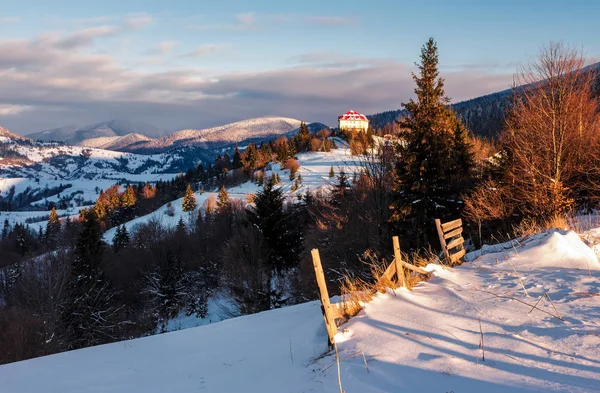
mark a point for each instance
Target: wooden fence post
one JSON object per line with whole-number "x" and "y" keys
{"x": 440, "y": 231}
{"x": 328, "y": 313}
{"x": 398, "y": 261}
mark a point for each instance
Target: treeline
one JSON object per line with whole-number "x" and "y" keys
{"x": 11, "y": 201}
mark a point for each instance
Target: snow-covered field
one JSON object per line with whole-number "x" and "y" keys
{"x": 87, "y": 190}
{"x": 425, "y": 340}
{"x": 65, "y": 162}
{"x": 314, "y": 171}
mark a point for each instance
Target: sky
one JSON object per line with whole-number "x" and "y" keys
{"x": 196, "y": 64}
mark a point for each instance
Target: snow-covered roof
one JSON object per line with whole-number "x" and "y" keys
{"x": 353, "y": 115}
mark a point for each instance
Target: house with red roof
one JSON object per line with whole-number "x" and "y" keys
{"x": 353, "y": 120}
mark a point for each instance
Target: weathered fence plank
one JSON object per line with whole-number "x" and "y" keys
{"x": 451, "y": 231}
{"x": 398, "y": 262}
{"x": 328, "y": 312}
{"x": 451, "y": 225}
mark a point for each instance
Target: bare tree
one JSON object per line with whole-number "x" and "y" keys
{"x": 550, "y": 140}
{"x": 551, "y": 131}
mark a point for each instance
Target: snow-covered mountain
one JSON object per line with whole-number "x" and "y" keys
{"x": 111, "y": 128}
{"x": 260, "y": 128}
{"x": 132, "y": 153}
{"x": 52, "y": 160}
{"x": 117, "y": 143}
{"x": 6, "y": 134}
{"x": 114, "y": 135}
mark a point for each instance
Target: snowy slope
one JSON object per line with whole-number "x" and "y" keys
{"x": 426, "y": 340}
{"x": 65, "y": 162}
{"x": 118, "y": 143}
{"x": 6, "y": 134}
{"x": 314, "y": 170}
{"x": 258, "y": 128}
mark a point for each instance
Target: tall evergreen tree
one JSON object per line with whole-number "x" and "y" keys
{"x": 165, "y": 285}
{"x": 250, "y": 157}
{"x": 189, "y": 200}
{"x": 121, "y": 239}
{"x": 237, "y": 159}
{"x": 342, "y": 188}
{"x": 428, "y": 162}
{"x": 52, "y": 229}
{"x": 223, "y": 200}
{"x": 89, "y": 316}
{"x": 277, "y": 226}
{"x": 128, "y": 203}
{"x": 302, "y": 139}
{"x": 5, "y": 229}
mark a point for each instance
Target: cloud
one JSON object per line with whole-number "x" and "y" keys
{"x": 243, "y": 21}
{"x": 9, "y": 19}
{"x": 42, "y": 85}
{"x": 334, "y": 60}
{"x": 255, "y": 21}
{"x": 9, "y": 110}
{"x": 136, "y": 21}
{"x": 331, "y": 21}
{"x": 162, "y": 48}
{"x": 246, "y": 19}
{"x": 85, "y": 36}
{"x": 206, "y": 50}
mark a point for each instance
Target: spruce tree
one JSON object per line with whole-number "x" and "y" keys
{"x": 250, "y": 157}
{"x": 424, "y": 189}
{"x": 342, "y": 188}
{"x": 301, "y": 140}
{"x": 223, "y": 200}
{"x": 166, "y": 288}
{"x": 128, "y": 203}
{"x": 89, "y": 316}
{"x": 5, "y": 229}
{"x": 462, "y": 150}
{"x": 22, "y": 238}
{"x": 189, "y": 200}
{"x": 279, "y": 230}
{"x": 52, "y": 229}
{"x": 237, "y": 159}
{"x": 331, "y": 172}
{"x": 121, "y": 239}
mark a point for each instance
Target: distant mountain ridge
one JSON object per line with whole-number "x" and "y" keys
{"x": 111, "y": 128}
{"x": 484, "y": 116}
{"x": 116, "y": 143}
{"x": 259, "y": 128}
{"x": 112, "y": 135}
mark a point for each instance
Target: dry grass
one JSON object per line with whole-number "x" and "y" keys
{"x": 530, "y": 227}
{"x": 356, "y": 292}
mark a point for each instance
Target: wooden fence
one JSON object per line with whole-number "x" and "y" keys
{"x": 332, "y": 312}
{"x": 451, "y": 240}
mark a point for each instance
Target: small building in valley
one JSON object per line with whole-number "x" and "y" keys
{"x": 354, "y": 121}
